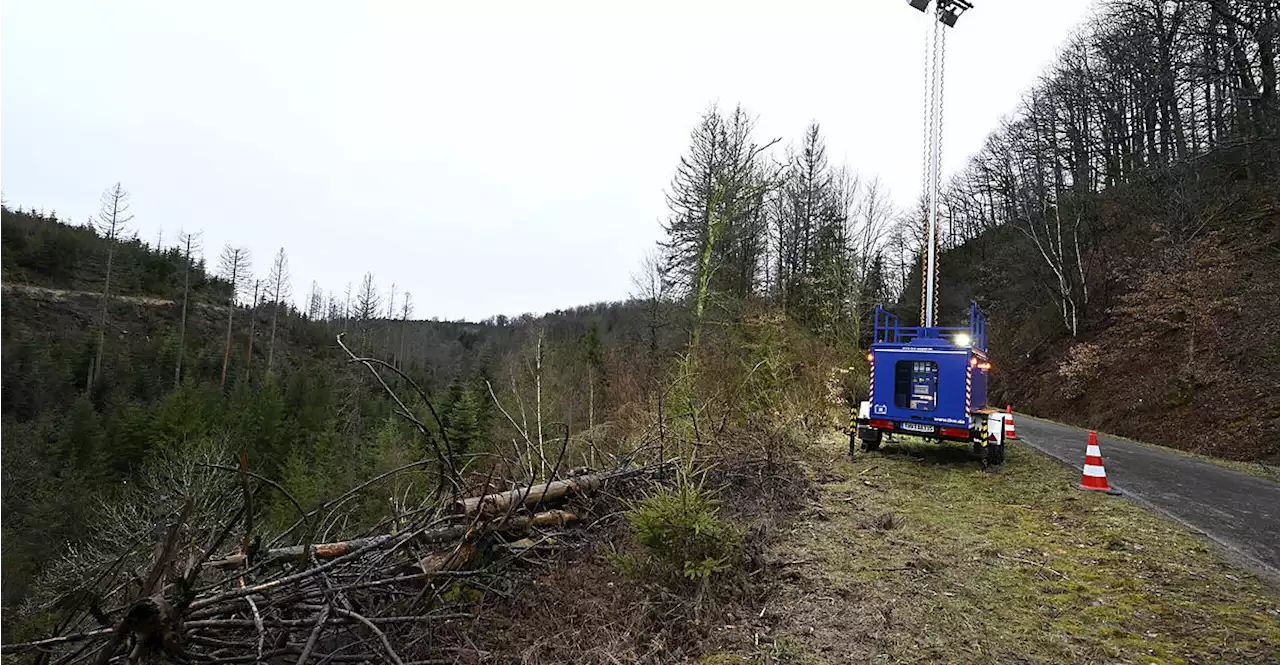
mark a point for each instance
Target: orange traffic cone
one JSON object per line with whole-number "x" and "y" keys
{"x": 1009, "y": 432}
{"x": 1095, "y": 476}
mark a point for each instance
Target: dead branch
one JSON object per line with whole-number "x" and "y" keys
{"x": 342, "y": 601}
{"x": 372, "y": 594}
{"x": 447, "y": 470}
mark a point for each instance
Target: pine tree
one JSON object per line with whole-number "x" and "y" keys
{"x": 112, "y": 222}
{"x": 391, "y": 315}
{"x": 189, "y": 242}
{"x": 404, "y": 323}
{"x": 253, "y": 325}
{"x": 315, "y": 303}
{"x": 716, "y": 203}
{"x": 234, "y": 268}
{"x": 82, "y": 446}
{"x": 280, "y": 289}
{"x": 346, "y": 308}
{"x": 367, "y": 303}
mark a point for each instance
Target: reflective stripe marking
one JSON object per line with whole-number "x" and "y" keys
{"x": 1095, "y": 471}
{"x": 1093, "y": 451}
{"x": 968, "y": 389}
{"x": 922, "y": 350}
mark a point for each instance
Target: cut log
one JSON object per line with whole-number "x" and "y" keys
{"x": 546, "y": 518}
{"x": 432, "y": 537}
{"x": 334, "y": 550}
{"x": 452, "y": 560}
{"x": 503, "y": 501}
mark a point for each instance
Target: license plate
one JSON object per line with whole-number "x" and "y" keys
{"x": 917, "y": 427}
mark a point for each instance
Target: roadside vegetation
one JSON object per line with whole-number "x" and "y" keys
{"x": 915, "y": 555}
{"x": 742, "y": 540}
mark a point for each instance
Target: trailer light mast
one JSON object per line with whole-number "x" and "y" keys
{"x": 947, "y": 13}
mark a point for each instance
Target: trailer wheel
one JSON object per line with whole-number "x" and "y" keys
{"x": 870, "y": 438}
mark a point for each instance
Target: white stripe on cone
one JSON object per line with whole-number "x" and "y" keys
{"x": 1094, "y": 451}
{"x": 1094, "y": 471}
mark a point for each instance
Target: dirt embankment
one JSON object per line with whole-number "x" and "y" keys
{"x": 62, "y": 295}
{"x": 1189, "y": 358}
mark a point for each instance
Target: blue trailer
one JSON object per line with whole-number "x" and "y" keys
{"x": 930, "y": 382}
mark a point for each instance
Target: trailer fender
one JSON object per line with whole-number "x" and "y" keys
{"x": 995, "y": 429}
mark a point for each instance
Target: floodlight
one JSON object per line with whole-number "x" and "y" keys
{"x": 963, "y": 339}
{"x": 919, "y": 4}
{"x": 948, "y": 17}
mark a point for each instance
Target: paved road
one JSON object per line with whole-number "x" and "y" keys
{"x": 1238, "y": 511}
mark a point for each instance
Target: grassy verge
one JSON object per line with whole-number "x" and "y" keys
{"x": 915, "y": 555}
{"x": 1259, "y": 469}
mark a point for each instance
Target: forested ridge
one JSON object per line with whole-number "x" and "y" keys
{"x": 1120, "y": 228}
{"x": 96, "y": 394}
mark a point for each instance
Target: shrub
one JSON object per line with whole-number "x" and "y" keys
{"x": 1079, "y": 368}
{"x": 681, "y": 533}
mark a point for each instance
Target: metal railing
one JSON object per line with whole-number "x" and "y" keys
{"x": 889, "y": 331}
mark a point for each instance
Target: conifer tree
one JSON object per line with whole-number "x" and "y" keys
{"x": 367, "y": 303}
{"x": 719, "y": 190}
{"x": 234, "y": 268}
{"x": 280, "y": 290}
{"x": 189, "y": 241}
{"x": 112, "y": 222}
{"x": 253, "y": 326}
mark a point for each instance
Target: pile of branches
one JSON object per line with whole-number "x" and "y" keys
{"x": 381, "y": 598}
{"x": 192, "y": 592}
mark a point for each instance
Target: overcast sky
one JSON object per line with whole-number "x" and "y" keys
{"x": 489, "y": 157}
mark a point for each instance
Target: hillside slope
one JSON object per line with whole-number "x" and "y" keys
{"x": 1180, "y": 344}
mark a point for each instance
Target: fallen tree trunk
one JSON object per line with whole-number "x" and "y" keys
{"x": 447, "y": 534}
{"x": 502, "y": 501}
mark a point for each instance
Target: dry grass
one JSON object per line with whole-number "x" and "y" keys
{"x": 914, "y": 555}
{"x": 578, "y": 605}
{"x": 910, "y": 555}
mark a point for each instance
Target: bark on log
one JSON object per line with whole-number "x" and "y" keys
{"x": 545, "y": 518}
{"x": 450, "y": 561}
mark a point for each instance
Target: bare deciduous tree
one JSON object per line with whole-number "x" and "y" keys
{"x": 870, "y": 226}
{"x": 1147, "y": 84}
